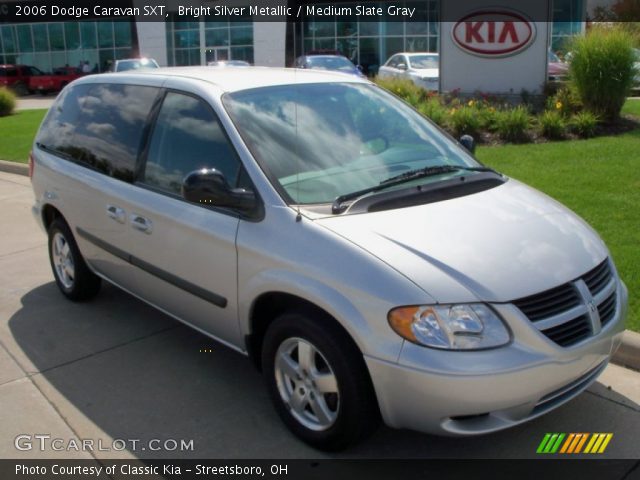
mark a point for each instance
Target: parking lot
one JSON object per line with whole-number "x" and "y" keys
{"x": 115, "y": 368}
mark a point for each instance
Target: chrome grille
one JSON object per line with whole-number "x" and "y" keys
{"x": 572, "y": 312}
{"x": 598, "y": 278}
{"x": 571, "y": 332}
{"x": 607, "y": 309}
{"x": 549, "y": 303}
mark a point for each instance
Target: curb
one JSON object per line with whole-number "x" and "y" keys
{"x": 628, "y": 355}
{"x": 14, "y": 167}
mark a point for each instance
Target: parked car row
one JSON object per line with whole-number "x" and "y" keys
{"x": 25, "y": 79}
{"x": 422, "y": 68}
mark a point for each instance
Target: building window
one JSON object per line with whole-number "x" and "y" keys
{"x": 55, "y": 44}
{"x": 210, "y": 39}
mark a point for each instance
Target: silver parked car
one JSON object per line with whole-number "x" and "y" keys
{"x": 128, "y": 64}
{"x": 367, "y": 263}
{"x": 421, "y": 68}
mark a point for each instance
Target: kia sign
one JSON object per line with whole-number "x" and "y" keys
{"x": 494, "y": 47}
{"x": 494, "y": 33}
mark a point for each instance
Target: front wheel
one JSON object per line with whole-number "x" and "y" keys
{"x": 318, "y": 381}
{"x": 73, "y": 277}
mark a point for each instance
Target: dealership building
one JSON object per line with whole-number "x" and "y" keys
{"x": 197, "y": 40}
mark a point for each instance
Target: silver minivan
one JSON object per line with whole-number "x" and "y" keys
{"x": 360, "y": 257}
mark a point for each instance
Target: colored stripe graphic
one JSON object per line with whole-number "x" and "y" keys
{"x": 543, "y": 443}
{"x": 574, "y": 443}
{"x": 567, "y": 443}
{"x": 550, "y": 443}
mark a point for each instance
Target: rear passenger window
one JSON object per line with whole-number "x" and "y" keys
{"x": 187, "y": 137}
{"x": 110, "y": 128}
{"x": 100, "y": 126}
{"x": 58, "y": 128}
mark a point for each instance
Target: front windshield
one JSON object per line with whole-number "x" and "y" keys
{"x": 553, "y": 58}
{"x": 330, "y": 63}
{"x": 424, "y": 61}
{"x": 319, "y": 141}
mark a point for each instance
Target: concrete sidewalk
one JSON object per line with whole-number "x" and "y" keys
{"x": 115, "y": 368}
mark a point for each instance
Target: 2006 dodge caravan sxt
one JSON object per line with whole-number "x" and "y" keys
{"x": 365, "y": 261}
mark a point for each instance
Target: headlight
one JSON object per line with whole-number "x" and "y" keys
{"x": 450, "y": 327}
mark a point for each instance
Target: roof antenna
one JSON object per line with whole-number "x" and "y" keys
{"x": 297, "y": 147}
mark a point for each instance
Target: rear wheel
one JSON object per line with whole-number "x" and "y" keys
{"x": 318, "y": 381}
{"x": 73, "y": 277}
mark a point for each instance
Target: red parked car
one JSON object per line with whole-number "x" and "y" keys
{"x": 56, "y": 81}
{"x": 557, "y": 69}
{"x": 17, "y": 77}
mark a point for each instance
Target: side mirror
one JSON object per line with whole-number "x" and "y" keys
{"x": 468, "y": 142}
{"x": 209, "y": 187}
{"x": 402, "y": 66}
{"x": 359, "y": 67}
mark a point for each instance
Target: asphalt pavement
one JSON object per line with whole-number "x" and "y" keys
{"x": 116, "y": 372}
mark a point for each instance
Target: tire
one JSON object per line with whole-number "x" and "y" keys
{"x": 328, "y": 400}
{"x": 20, "y": 89}
{"x": 73, "y": 277}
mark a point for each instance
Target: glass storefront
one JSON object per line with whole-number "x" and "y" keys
{"x": 567, "y": 22}
{"x": 370, "y": 44}
{"x": 209, "y": 39}
{"x": 57, "y": 44}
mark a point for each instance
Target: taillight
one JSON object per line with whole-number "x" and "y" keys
{"x": 31, "y": 165}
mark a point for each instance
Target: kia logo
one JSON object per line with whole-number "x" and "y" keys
{"x": 494, "y": 33}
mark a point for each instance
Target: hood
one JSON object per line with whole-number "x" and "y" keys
{"x": 426, "y": 72}
{"x": 498, "y": 245}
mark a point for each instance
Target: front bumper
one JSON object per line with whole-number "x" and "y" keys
{"x": 471, "y": 393}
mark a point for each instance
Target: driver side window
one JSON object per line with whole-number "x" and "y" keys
{"x": 188, "y": 136}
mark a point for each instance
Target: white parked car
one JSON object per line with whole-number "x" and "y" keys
{"x": 365, "y": 261}
{"x": 423, "y": 69}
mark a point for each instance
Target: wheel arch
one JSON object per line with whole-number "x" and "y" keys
{"x": 269, "y": 305}
{"x": 49, "y": 214}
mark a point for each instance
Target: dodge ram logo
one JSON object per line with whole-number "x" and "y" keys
{"x": 494, "y": 33}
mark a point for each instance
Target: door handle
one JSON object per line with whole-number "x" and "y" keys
{"x": 116, "y": 213}
{"x": 141, "y": 223}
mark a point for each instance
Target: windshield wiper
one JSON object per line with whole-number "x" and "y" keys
{"x": 435, "y": 170}
{"x": 337, "y": 206}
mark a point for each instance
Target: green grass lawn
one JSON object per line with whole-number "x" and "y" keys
{"x": 18, "y": 131}
{"x": 598, "y": 179}
{"x": 632, "y": 107}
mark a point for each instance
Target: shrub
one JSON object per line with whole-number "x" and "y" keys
{"x": 552, "y": 124}
{"x": 566, "y": 101}
{"x": 434, "y": 110}
{"x": 7, "y": 102}
{"x": 403, "y": 88}
{"x": 512, "y": 124}
{"x": 465, "y": 120}
{"x": 584, "y": 124}
{"x": 487, "y": 114}
{"x": 602, "y": 70}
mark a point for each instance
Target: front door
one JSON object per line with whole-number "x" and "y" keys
{"x": 185, "y": 253}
